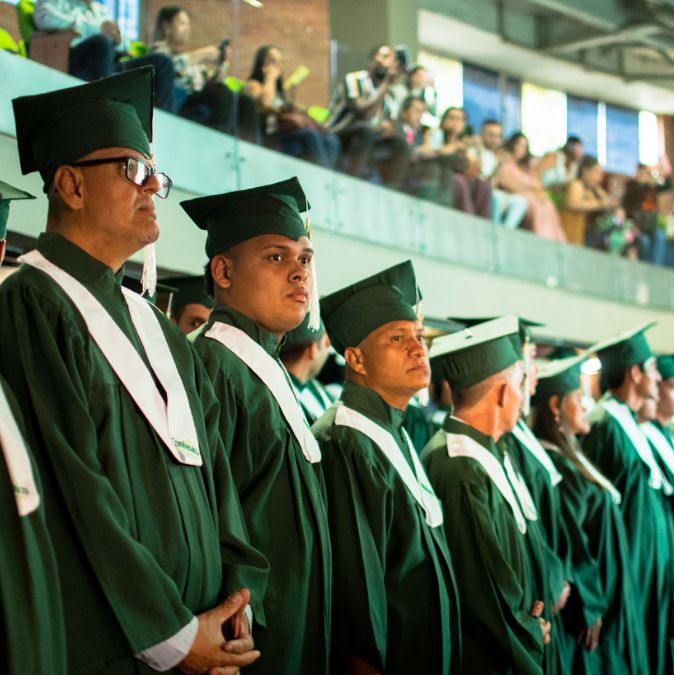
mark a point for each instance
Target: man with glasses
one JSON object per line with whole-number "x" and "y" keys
{"x": 140, "y": 502}
{"x": 618, "y": 446}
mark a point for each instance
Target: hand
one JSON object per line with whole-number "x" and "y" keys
{"x": 111, "y": 29}
{"x": 536, "y": 611}
{"x": 210, "y": 652}
{"x": 562, "y": 599}
{"x": 589, "y": 638}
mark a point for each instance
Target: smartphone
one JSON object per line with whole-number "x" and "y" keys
{"x": 403, "y": 54}
{"x": 296, "y": 77}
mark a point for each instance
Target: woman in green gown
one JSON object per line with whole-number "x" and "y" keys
{"x": 603, "y": 628}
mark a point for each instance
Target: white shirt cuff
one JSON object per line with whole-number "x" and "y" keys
{"x": 248, "y": 611}
{"x": 171, "y": 652}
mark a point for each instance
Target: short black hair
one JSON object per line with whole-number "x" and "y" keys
{"x": 407, "y": 103}
{"x": 610, "y": 381}
{"x": 587, "y": 162}
{"x": 209, "y": 282}
{"x": 166, "y": 15}
{"x": 374, "y": 50}
{"x": 489, "y": 122}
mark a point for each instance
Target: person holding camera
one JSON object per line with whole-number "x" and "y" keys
{"x": 199, "y": 91}
{"x": 363, "y": 113}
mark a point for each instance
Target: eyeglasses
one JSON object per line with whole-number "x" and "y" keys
{"x": 137, "y": 172}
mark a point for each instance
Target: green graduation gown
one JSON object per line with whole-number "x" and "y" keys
{"x": 143, "y": 542}
{"x": 313, "y": 389}
{"x": 31, "y": 615}
{"x": 283, "y": 499}
{"x": 603, "y": 583}
{"x": 395, "y": 601}
{"x": 646, "y": 523}
{"x": 548, "y": 540}
{"x": 491, "y": 560}
{"x": 417, "y": 426}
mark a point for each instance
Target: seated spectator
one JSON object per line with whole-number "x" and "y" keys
{"x": 471, "y": 192}
{"x": 585, "y": 201}
{"x": 363, "y": 112}
{"x": 516, "y": 175}
{"x": 285, "y": 126}
{"x": 557, "y": 169}
{"x": 424, "y": 171}
{"x": 200, "y": 94}
{"x": 507, "y": 209}
{"x": 641, "y": 205}
{"x": 96, "y": 51}
{"x": 419, "y": 83}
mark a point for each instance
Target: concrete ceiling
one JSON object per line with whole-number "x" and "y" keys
{"x": 621, "y": 51}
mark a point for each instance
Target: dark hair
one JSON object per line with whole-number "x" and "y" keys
{"x": 587, "y": 162}
{"x": 373, "y": 52}
{"x": 209, "y": 282}
{"x": 414, "y": 68}
{"x": 548, "y": 430}
{"x": 257, "y": 72}
{"x": 407, "y": 103}
{"x": 510, "y": 144}
{"x": 609, "y": 381}
{"x": 490, "y": 122}
{"x": 164, "y": 16}
{"x": 449, "y": 110}
{"x": 573, "y": 140}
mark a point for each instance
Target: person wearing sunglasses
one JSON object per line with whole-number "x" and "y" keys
{"x": 142, "y": 509}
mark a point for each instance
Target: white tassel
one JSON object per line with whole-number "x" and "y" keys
{"x": 424, "y": 397}
{"x": 526, "y": 398}
{"x": 314, "y": 306}
{"x": 149, "y": 278}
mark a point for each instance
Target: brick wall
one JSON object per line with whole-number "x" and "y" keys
{"x": 299, "y": 27}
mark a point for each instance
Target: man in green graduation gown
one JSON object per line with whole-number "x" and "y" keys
{"x": 619, "y": 448}
{"x": 304, "y": 353}
{"x": 190, "y": 305}
{"x": 139, "y": 500}
{"x": 395, "y": 600}
{"x": 31, "y": 615}
{"x": 486, "y": 528}
{"x": 260, "y": 273}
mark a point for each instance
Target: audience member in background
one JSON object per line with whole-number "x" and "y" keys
{"x": 420, "y": 84}
{"x": 363, "y": 111}
{"x": 507, "y": 209}
{"x": 517, "y": 175}
{"x": 461, "y": 169}
{"x": 585, "y": 200}
{"x": 557, "y": 169}
{"x": 200, "y": 93}
{"x": 96, "y": 49}
{"x": 641, "y": 205}
{"x": 423, "y": 174}
{"x": 286, "y": 126}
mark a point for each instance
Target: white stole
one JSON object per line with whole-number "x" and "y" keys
{"x": 525, "y": 436}
{"x": 17, "y": 460}
{"x": 460, "y": 445}
{"x": 415, "y": 480}
{"x": 521, "y": 489}
{"x": 663, "y": 448}
{"x": 172, "y": 421}
{"x": 274, "y": 376}
{"x": 622, "y": 414}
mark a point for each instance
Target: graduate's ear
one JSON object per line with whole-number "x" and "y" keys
{"x": 354, "y": 360}
{"x": 635, "y": 373}
{"x": 312, "y": 350}
{"x": 68, "y": 186}
{"x": 221, "y": 271}
{"x": 502, "y": 394}
{"x": 555, "y": 405}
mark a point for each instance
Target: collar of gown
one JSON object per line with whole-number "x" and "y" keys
{"x": 253, "y": 330}
{"x": 78, "y": 263}
{"x": 453, "y": 425}
{"x": 370, "y": 404}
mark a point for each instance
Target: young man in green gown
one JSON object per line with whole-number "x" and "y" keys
{"x": 485, "y": 523}
{"x": 139, "y": 500}
{"x": 304, "y": 353}
{"x": 395, "y": 600}
{"x": 190, "y": 305}
{"x": 260, "y": 272}
{"x": 621, "y": 451}
{"x": 31, "y": 614}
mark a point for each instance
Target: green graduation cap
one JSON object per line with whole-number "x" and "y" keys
{"x": 666, "y": 366}
{"x": 434, "y": 328}
{"x": 476, "y": 353}
{"x": 233, "y": 217}
{"x": 523, "y": 335}
{"x": 558, "y": 378}
{"x": 624, "y": 350}
{"x": 9, "y": 193}
{"x": 302, "y": 336}
{"x": 352, "y": 313}
{"x": 61, "y": 127}
{"x": 187, "y": 291}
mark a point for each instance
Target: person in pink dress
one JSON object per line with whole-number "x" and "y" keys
{"x": 516, "y": 174}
